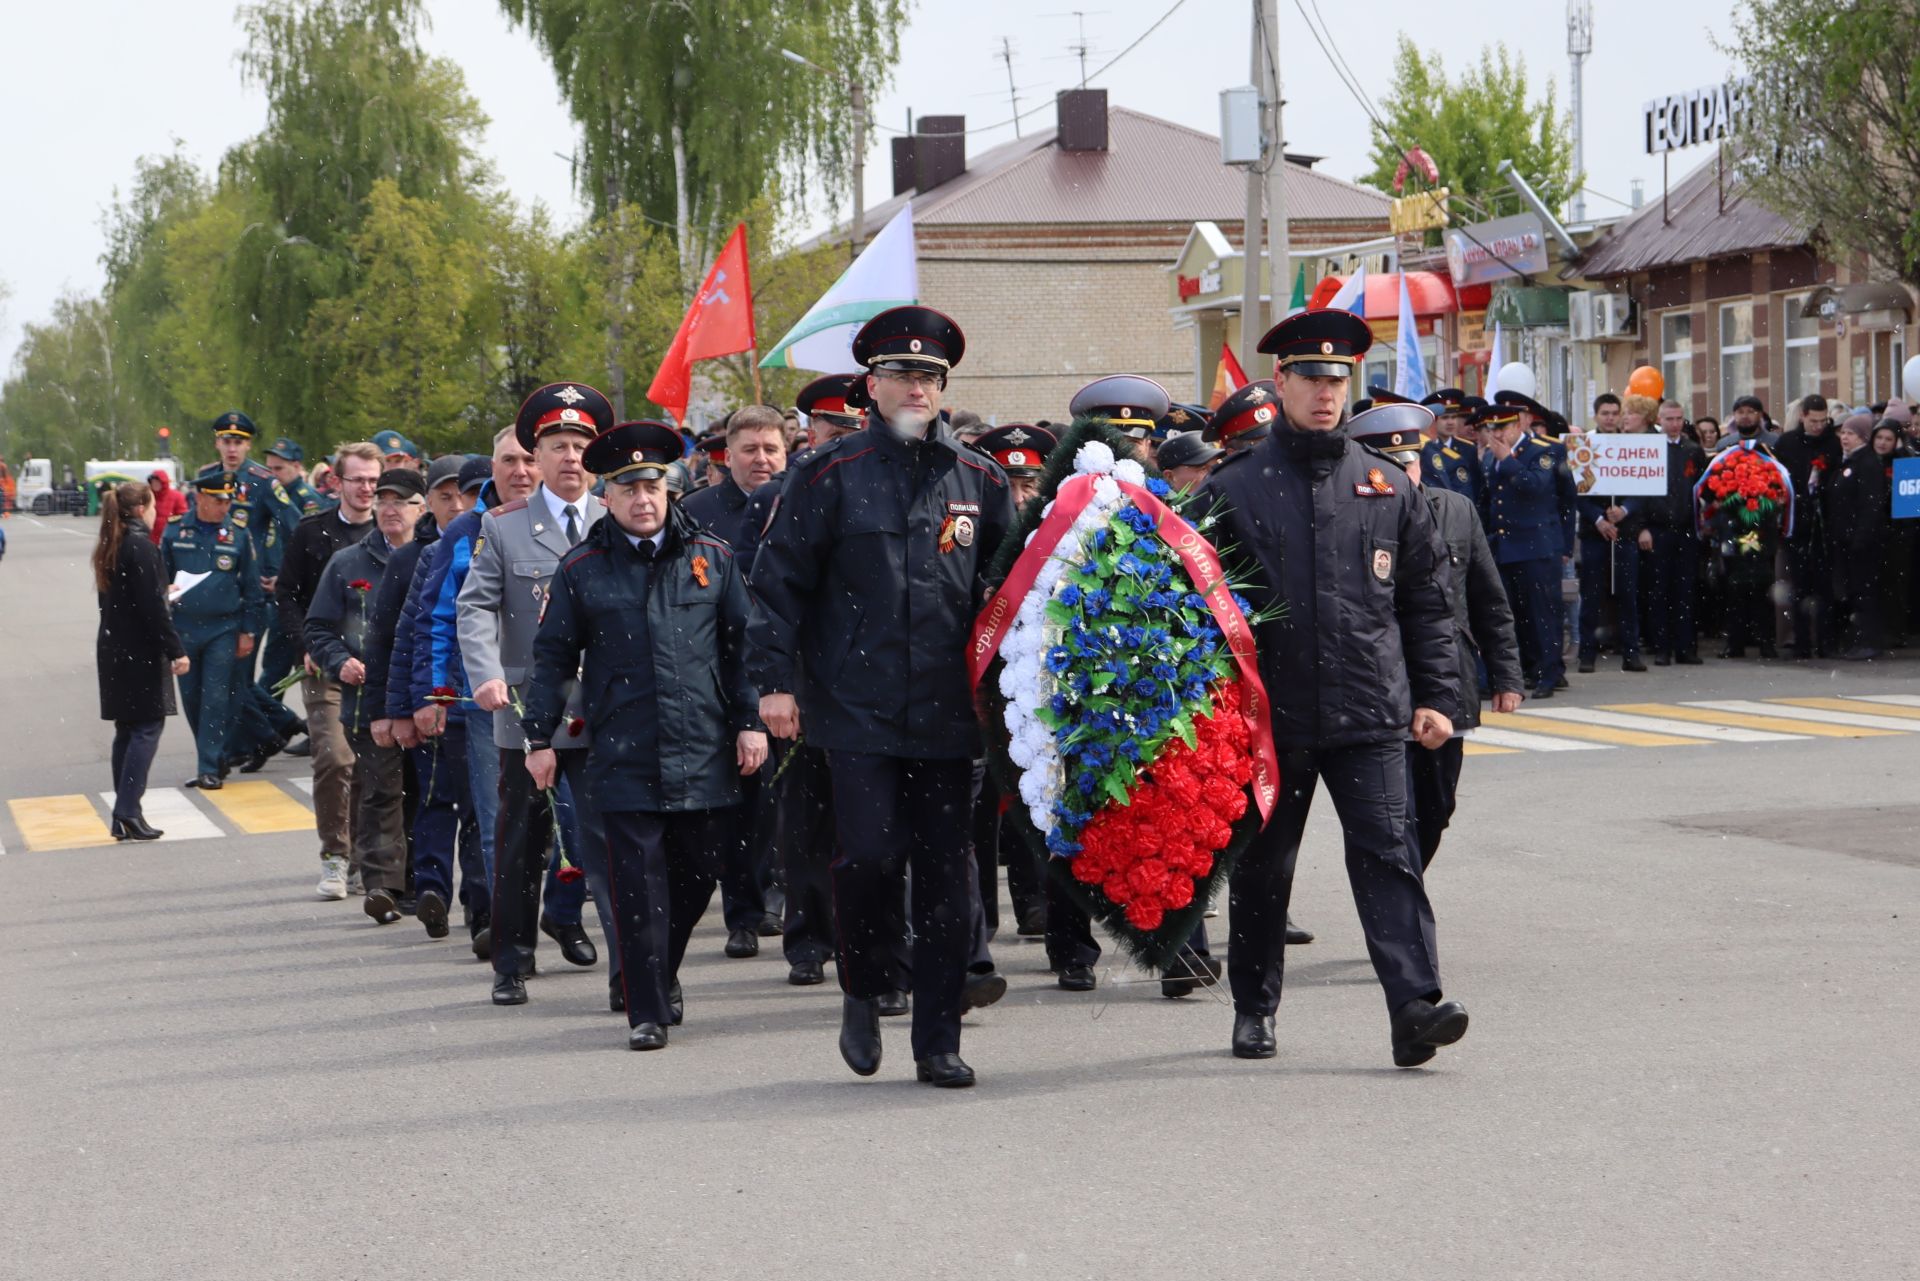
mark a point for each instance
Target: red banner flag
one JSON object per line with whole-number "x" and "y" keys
{"x": 719, "y": 323}
{"x": 1228, "y": 377}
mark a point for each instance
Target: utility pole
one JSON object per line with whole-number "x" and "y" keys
{"x": 1264, "y": 190}
{"x": 1579, "y": 45}
{"x": 1013, "y": 94}
{"x": 858, "y": 94}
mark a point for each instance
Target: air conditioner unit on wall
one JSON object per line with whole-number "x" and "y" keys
{"x": 1580, "y": 311}
{"x": 1615, "y": 318}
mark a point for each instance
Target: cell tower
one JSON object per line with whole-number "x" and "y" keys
{"x": 1579, "y": 45}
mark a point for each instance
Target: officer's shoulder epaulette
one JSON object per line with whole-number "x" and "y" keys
{"x": 1449, "y": 451}
{"x": 708, "y": 540}
{"x": 518, "y": 504}
{"x": 176, "y": 518}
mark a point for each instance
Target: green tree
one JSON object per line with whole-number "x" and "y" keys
{"x": 688, "y": 111}
{"x": 1832, "y": 134}
{"x": 66, "y": 399}
{"x": 401, "y": 350}
{"x": 352, "y": 99}
{"x": 1468, "y": 126}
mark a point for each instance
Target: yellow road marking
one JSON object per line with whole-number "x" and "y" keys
{"x": 1852, "y": 705}
{"x": 1471, "y": 748}
{"x": 261, "y": 807}
{"x": 1745, "y": 720}
{"x": 1588, "y": 733}
{"x": 58, "y": 822}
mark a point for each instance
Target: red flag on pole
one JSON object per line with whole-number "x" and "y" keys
{"x": 1228, "y": 377}
{"x": 719, "y": 323}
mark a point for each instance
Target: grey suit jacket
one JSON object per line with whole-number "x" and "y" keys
{"x": 514, "y": 556}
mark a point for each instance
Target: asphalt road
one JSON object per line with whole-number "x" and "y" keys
{"x": 1691, "y": 972}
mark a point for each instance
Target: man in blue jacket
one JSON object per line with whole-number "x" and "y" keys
{"x": 1530, "y": 538}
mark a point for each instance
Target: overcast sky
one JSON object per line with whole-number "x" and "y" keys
{"x": 94, "y": 84}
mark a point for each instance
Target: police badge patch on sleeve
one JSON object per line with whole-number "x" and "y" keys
{"x": 1382, "y": 564}
{"x": 960, "y": 526}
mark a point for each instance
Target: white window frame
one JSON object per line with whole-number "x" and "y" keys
{"x": 1668, "y": 359}
{"x": 1729, "y": 395}
{"x": 1790, "y": 307}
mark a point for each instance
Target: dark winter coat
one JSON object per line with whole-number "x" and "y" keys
{"x": 1858, "y": 509}
{"x": 1347, "y": 548}
{"x": 1812, "y": 462}
{"x": 1482, "y": 616}
{"x": 340, "y": 620}
{"x": 137, "y": 640}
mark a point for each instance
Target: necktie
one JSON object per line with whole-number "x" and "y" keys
{"x": 573, "y": 525}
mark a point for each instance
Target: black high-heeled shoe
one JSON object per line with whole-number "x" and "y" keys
{"x": 135, "y": 829}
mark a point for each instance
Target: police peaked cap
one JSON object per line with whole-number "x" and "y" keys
{"x": 910, "y": 338}
{"x": 1128, "y": 401}
{"x": 633, "y": 451}
{"x": 713, "y": 445}
{"x": 1497, "y": 415}
{"x": 842, "y": 394}
{"x": 1381, "y": 394}
{"x": 1323, "y": 344}
{"x": 1186, "y": 449}
{"x": 1447, "y": 400}
{"x": 214, "y": 484}
{"x": 562, "y": 407}
{"x": 1179, "y": 418}
{"x": 234, "y": 423}
{"x": 1021, "y": 449}
{"x": 1397, "y": 428}
{"x": 1527, "y": 403}
{"x": 1253, "y": 409}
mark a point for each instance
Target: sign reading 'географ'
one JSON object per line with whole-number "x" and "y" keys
{"x": 1702, "y": 115}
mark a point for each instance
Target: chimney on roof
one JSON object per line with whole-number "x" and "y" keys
{"x": 1083, "y": 119}
{"x": 939, "y": 151}
{"x": 902, "y": 163}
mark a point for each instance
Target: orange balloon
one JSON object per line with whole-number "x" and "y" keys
{"x": 1647, "y": 381}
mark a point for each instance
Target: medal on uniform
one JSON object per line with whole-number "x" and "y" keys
{"x": 1382, "y": 564}
{"x": 223, "y": 563}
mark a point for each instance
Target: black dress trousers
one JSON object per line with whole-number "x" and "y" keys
{"x": 893, "y": 815}
{"x": 661, "y": 870}
{"x": 1433, "y": 785}
{"x": 805, "y": 837}
{"x": 1368, "y": 783}
{"x": 523, "y": 845}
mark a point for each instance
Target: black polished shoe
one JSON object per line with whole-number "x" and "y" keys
{"x": 483, "y": 938}
{"x": 676, "y": 1004}
{"x": 135, "y": 829}
{"x": 1187, "y": 974}
{"x": 1561, "y": 682}
{"x": 860, "y": 1035}
{"x": 509, "y": 989}
{"x": 807, "y": 973}
{"x": 1543, "y": 690}
{"x": 742, "y": 943}
{"x": 769, "y": 927}
{"x": 1688, "y": 659}
{"x": 1078, "y": 978}
{"x": 431, "y": 911}
{"x": 257, "y": 761}
{"x": 1253, "y": 1036}
{"x": 575, "y": 946}
{"x": 1420, "y": 1026}
{"x": 1296, "y": 936}
{"x": 945, "y": 1071}
{"x": 647, "y": 1036}
{"x": 1662, "y": 660}
{"x": 1632, "y": 665}
{"x": 617, "y": 998}
{"x": 982, "y": 990}
{"x": 381, "y": 906}
{"x": 1586, "y": 667}
{"x": 893, "y": 1004}
{"x": 206, "y": 782}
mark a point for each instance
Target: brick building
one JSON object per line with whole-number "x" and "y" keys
{"x": 1053, "y": 251}
{"x": 1733, "y": 298}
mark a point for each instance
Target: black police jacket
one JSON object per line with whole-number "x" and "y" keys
{"x": 1812, "y": 462}
{"x": 865, "y": 589}
{"x": 1347, "y": 548}
{"x": 1685, "y": 463}
{"x": 1482, "y": 617}
{"x": 658, "y": 645}
{"x": 721, "y": 509}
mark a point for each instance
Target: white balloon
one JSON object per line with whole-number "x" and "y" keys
{"x": 1910, "y": 378}
{"x": 1516, "y": 377}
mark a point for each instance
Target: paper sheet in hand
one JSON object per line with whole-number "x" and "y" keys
{"x": 183, "y": 582}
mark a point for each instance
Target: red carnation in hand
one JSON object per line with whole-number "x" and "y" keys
{"x": 576, "y": 725}
{"x": 568, "y": 874}
{"x": 360, "y": 585}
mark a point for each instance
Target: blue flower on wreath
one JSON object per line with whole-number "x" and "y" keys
{"x": 1137, "y": 520}
{"x": 1071, "y": 596}
{"x": 1099, "y": 600}
{"x": 1157, "y": 487}
{"x": 1193, "y": 600}
{"x": 1242, "y": 604}
{"x": 1132, "y": 566}
{"x": 1058, "y": 659}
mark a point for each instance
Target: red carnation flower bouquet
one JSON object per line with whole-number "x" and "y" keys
{"x": 1744, "y": 501}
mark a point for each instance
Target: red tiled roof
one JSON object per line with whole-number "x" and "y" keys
{"x": 1696, "y": 227}
{"x": 1152, "y": 171}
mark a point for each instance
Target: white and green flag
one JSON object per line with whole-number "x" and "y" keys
{"x": 884, "y": 275}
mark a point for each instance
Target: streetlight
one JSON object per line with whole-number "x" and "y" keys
{"x": 857, "y": 100}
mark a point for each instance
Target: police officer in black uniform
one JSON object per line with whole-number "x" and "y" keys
{"x": 650, "y": 610}
{"x": 865, "y": 592}
{"x": 1362, "y": 657}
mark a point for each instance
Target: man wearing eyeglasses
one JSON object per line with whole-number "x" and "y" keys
{"x": 866, "y": 585}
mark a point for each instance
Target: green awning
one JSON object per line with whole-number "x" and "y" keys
{"x": 1529, "y": 306}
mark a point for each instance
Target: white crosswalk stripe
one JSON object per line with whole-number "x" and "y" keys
{"x": 1529, "y": 742}
{"x": 1817, "y": 715}
{"x": 1892, "y": 700}
{"x": 304, "y": 784}
{"x": 170, "y": 810}
{"x": 1658, "y": 725}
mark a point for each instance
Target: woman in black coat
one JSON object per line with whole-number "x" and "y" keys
{"x": 137, "y": 653}
{"x": 1857, "y": 509}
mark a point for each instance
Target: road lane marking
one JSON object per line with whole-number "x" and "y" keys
{"x": 305, "y": 784}
{"x": 59, "y": 822}
{"x": 1471, "y": 748}
{"x": 1811, "y": 714}
{"x": 261, "y": 807}
{"x": 1588, "y": 733}
{"x": 1746, "y": 721}
{"x": 1897, "y": 700}
{"x": 1657, "y": 724}
{"x": 1853, "y": 705}
{"x": 1526, "y": 742}
{"x": 168, "y": 809}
